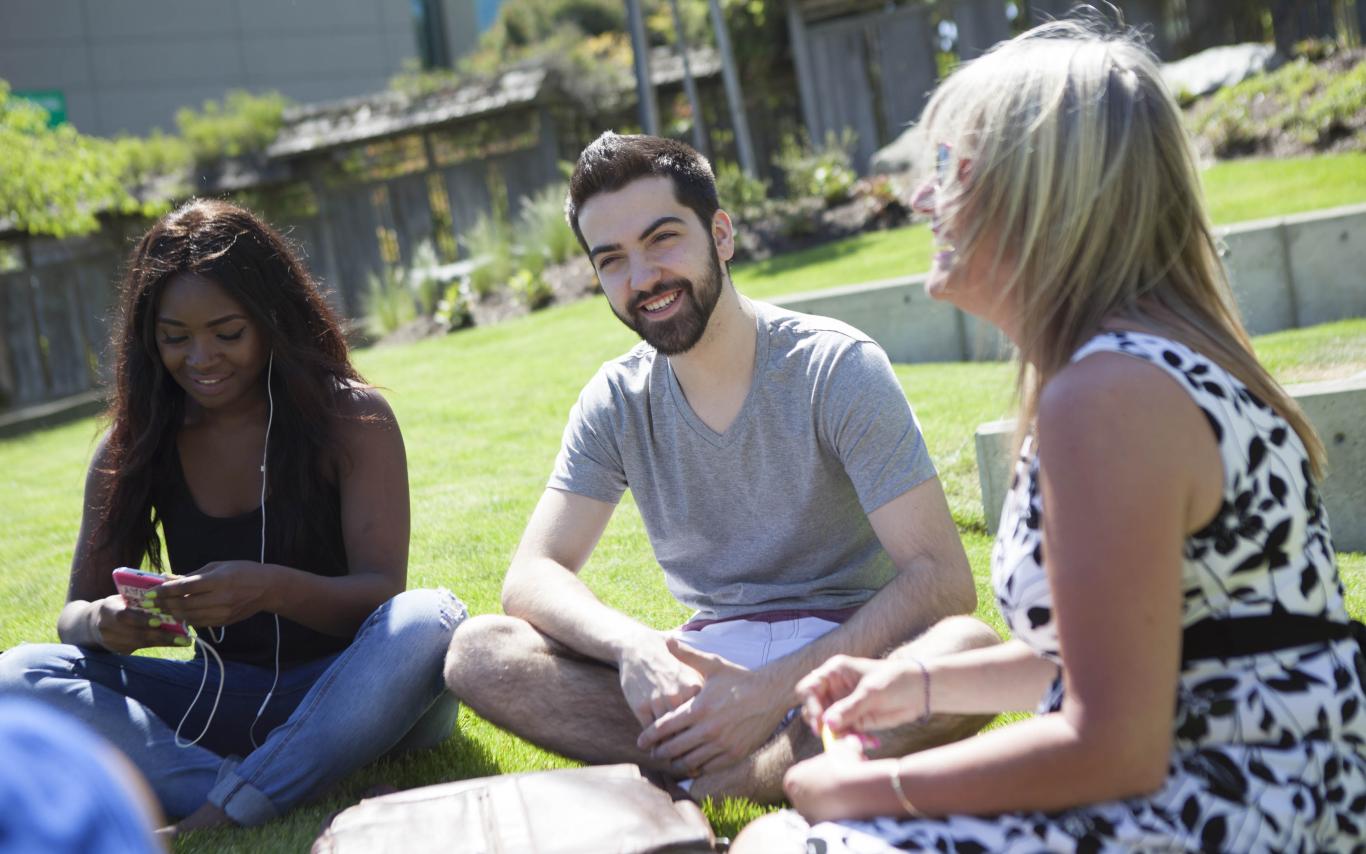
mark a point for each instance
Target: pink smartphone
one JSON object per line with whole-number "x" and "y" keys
{"x": 133, "y": 585}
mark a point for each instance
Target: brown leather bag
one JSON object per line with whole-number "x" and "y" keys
{"x": 607, "y": 808}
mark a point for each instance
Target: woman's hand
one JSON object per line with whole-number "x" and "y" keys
{"x": 124, "y": 630}
{"x": 220, "y": 593}
{"x": 859, "y": 695}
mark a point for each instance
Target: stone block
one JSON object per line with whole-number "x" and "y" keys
{"x": 897, "y": 314}
{"x": 1327, "y": 254}
{"x": 1258, "y": 270}
{"x": 993, "y": 441}
{"x": 1336, "y": 408}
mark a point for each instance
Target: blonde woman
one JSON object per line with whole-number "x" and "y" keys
{"x": 1163, "y": 559}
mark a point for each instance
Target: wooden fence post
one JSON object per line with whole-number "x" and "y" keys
{"x": 7, "y": 380}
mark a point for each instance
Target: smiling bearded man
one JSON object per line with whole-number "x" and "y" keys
{"x": 683, "y": 329}
{"x": 785, "y": 488}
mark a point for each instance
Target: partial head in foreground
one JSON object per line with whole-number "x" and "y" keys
{"x": 1066, "y": 198}
{"x": 645, "y": 210}
{"x": 212, "y": 296}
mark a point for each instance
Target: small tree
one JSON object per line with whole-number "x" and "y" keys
{"x": 55, "y": 180}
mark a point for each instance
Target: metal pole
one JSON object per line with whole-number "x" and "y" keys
{"x": 734, "y": 96}
{"x": 699, "y": 128}
{"x": 645, "y": 92}
{"x": 806, "y": 80}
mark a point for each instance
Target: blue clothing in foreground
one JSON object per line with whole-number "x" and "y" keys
{"x": 327, "y": 717}
{"x": 62, "y": 789}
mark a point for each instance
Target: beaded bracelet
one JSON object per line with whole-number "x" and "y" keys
{"x": 895, "y": 777}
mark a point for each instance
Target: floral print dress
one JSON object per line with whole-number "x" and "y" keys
{"x": 1269, "y": 749}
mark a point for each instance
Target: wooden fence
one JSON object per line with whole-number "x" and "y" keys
{"x": 372, "y": 205}
{"x": 54, "y": 320}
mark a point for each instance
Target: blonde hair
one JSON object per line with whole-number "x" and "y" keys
{"x": 1082, "y": 176}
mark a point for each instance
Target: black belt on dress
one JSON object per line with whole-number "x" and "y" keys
{"x": 1231, "y": 637}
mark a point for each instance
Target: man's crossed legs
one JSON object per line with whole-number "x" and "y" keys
{"x": 539, "y": 689}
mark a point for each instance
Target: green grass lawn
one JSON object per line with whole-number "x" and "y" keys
{"x": 482, "y": 413}
{"x": 1236, "y": 191}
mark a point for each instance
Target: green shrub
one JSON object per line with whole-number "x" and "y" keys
{"x": 530, "y": 289}
{"x": 1311, "y": 102}
{"x": 425, "y": 287}
{"x": 825, "y": 172}
{"x": 453, "y": 309}
{"x": 388, "y": 301}
{"x": 742, "y": 195}
{"x": 543, "y": 235}
{"x": 144, "y": 160}
{"x": 54, "y": 180}
{"x": 242, "y": 124}
{"x": 1339, "y": 103}
{"x": 489, "y": 245}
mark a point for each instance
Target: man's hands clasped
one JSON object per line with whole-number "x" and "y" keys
{"x": 727, "y": 719}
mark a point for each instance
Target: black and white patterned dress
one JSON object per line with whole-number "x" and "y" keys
{"x": 1269, "y": 750}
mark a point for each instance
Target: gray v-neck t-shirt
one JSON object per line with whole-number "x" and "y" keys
{"x": 772, "y": 514}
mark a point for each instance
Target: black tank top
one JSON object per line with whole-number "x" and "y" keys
{"x": 194, "y": 539}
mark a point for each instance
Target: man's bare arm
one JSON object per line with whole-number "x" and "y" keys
{"x": 542, "y": 587}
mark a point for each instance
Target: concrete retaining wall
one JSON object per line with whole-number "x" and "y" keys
{"x": 1298, "y": 270}
{"x": 1286, "y": 273}
{"x": 909, "y": 325}
{"x": 1337, "y": 409}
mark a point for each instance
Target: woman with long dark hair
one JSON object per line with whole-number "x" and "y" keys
{"x": 243, "y": 441}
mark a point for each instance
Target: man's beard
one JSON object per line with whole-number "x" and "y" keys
{"x": 680, "y": 333}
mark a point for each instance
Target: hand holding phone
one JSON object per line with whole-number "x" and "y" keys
{"x": 138, "y": 589}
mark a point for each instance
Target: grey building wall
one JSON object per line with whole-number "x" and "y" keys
{"x": 128, "y": 65}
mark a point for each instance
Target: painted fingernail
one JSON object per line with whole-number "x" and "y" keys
{"x": 150, "y": 594}
{"x": 154, "y": 623}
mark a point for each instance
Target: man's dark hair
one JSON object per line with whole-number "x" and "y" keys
{"x": 612, "y": 161}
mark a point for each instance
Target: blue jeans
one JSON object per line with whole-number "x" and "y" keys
{"x": 383, "y": 693}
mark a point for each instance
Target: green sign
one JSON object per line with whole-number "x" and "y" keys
{"x": 52, "y": 100}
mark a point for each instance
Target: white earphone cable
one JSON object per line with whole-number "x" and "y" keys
{"x": 220, "y": 632}
{"x": 265, "y": 453}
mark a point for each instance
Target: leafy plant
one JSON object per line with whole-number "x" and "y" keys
{"x": 426, "y": 288}
{"x": 489, "y": 244}
{"x": 418, "y": 82}
{"x": 242, "y": 124}
{"x": 55, "y": 180}
{"x": 1312, "y": 102}
{"x": 388, "y": 301}
{"x": 453, "y": 309}
{"x": 530, "y": 289}
{"x": 742, "y": 195}
{"x": 824, "y": 172}
{"x": 543, "y": 235}
{"x": 145, "y": 161}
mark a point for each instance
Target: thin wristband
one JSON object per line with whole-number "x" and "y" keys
{"x": 895, "y": 777}
{"x": 925, "y": 677}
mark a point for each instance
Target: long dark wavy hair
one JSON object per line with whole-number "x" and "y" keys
{"x": 312, "y": 372}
